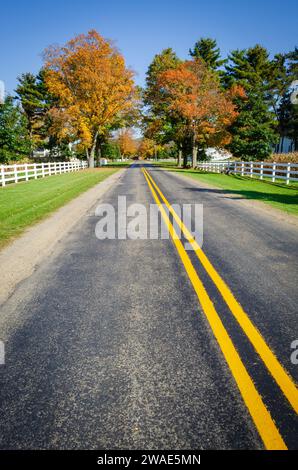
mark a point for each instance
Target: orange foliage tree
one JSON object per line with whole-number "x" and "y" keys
{"x": 193, "y": 91}
{"x": 147, "y": 148}
{"x": 126, "y": 143}
{"x": 93, "y": 87}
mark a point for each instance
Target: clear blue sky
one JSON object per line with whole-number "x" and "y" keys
{"x": 141, "y": 28}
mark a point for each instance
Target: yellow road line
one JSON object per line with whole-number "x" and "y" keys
{"x": 277, "y": 371}
{"x": 258, "y": 411}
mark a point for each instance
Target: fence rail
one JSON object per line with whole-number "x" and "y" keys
{"x": 262, "y": 170}
{"x": 26, "y": 171}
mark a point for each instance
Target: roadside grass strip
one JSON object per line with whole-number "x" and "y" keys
{"x": 26, "y": 203}
{"x": 277, "y": 195}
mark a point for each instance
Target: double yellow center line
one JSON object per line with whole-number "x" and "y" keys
{"x": 259, "y": 413}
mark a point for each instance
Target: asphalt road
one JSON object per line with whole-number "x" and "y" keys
{"x": 107, "y": 346}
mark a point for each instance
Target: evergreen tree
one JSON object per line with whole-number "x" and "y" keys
{"x": 36, "y": 101}
{"x": 254, "y": 131}
{"x": 206, "y": 49}
{"x": 293, "y": 63}
{"x": 292, "y": 108}
{"x": 284, "y": 75}
{"x": 166, "y": 60}
{"x": 15, "y": 142}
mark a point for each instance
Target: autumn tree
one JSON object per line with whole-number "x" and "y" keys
{"x": 193, "y": 91}
{"x": 147, "y": 148}
{"x": 159, "y": 122}
{"x": 93, "y": 86}
{"x": 126, "y": 143}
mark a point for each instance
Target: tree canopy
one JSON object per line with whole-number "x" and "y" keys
{"x": 207, "y": 50}
{"x": 15, "y": 141}
{"x": 93, "y": 86}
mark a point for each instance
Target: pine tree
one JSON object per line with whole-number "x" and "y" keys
{"x": 15, "y": 142}
{"x": 166, "y": 60}
{"x": 35, "y": 101}
{"x": 254, "y": 131}
{"x": 206, "y": 49}
{"x": 292, "y": 108}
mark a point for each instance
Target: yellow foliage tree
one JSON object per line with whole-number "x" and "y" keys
{"x": 147, "y": 148}
{"x": 93, "y": 87}
{"x": 126, "y": 143}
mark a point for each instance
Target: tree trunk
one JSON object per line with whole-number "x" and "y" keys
{"x": 98, "y": 152}
{"x": 282, "y": 144}
{"x": 180, "y": 156}
{"x": 91, "y": 157}
{"x": 194, "y": 155}
{"x": 194, "y": 149}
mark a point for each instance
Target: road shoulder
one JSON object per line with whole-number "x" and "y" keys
{"x": 19, "y": 259}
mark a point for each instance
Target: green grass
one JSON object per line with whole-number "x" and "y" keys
{"x": 168, "y": 164}
{"x": 24, "y": 204}
{"x": 278, "y": 195}
{"x": 112, "y": 164}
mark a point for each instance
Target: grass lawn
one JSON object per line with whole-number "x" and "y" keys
{"x": 167, "y": 164}
{"x": 277, "y": 195}
{"x": 23, "y": 204}
{"x": 112, "y": 164}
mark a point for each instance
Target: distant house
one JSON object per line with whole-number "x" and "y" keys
{"x": 217, "y": 154}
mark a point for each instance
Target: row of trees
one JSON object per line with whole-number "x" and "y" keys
{"x": 85, "y": 96}
{"x": 83, "y": 93}
{"x": 242, "y": 102}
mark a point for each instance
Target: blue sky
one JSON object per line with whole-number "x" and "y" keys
{"x": 141, "y": 28}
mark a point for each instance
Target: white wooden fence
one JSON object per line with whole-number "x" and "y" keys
{"x": 262, "y": 170}
{"x": 26, "y": 171}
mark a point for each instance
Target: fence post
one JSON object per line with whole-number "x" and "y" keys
{"x": 35, "y": 171}
{"x": 42, "y": 170}
{"x": 251, "y": 169}
{"x": 273, "y": 172}
{"x": 2, "y": 175}
{"x": 60, "y": 168}
{"x": 15, "y": 173}
{"x": 50, "y": 168}
{"x": 262, "y": 170}
{"x": 26, "y": 172}
{"x": 288, "y": 172}
{"x": 242, "y": 168}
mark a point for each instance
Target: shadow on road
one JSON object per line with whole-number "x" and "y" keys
{"x": 247, "y": 194}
